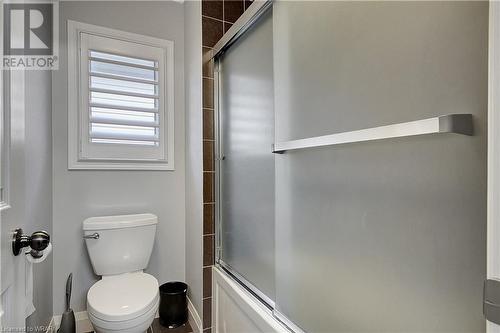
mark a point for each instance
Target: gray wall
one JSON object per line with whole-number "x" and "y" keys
{"x": 194, "y": 164}
{"x": 38, "y": 182}
{"x": 81, "y": 194}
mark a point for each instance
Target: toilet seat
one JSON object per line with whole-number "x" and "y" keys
{"x": 123, "y": 297}
{"x": 136, "y": 325}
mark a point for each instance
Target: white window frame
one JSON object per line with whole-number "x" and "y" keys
{"x": 78, "y": 128}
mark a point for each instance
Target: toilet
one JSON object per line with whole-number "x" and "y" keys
{"x": 125, "y": 299}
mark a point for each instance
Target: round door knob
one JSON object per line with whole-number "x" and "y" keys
{"x": 39, "y": 240}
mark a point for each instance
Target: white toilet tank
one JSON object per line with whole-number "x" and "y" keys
{"x": 124, "y": 242}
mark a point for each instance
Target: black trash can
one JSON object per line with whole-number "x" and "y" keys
{"x": 173, "y": 304}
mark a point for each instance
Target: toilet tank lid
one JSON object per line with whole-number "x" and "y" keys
{"x": 119, "y": 221}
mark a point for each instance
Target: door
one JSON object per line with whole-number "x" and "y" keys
{"x": 13, "y": 268}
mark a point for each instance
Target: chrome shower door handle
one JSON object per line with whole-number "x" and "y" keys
{"x": 95, "y": 235}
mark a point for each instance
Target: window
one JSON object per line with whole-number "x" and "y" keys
{"x": 120, "y": 100}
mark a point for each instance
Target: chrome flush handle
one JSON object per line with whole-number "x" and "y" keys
{"x": 95, "y": 235}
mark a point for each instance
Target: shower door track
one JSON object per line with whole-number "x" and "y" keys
{"x": 269, "y": 303}
{"x": 246, "y": 20}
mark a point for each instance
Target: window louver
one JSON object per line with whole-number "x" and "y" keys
{"x": 124, "y": 101}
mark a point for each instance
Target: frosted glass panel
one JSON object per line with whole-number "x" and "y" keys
{"x": 247, "y": 203}
{"x": 383, "y": 236}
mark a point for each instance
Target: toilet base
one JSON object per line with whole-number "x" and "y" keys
{"x": 147, "y": 330}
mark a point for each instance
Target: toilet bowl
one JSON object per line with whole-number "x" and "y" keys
{"x": 123, "y": 303}
{"x": 125, "y": 299}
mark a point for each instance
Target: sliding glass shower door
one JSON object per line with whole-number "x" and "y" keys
{"x": 374, "y": 236}
{"x": 387, "y": 235}
{"x": 246, "y": 124}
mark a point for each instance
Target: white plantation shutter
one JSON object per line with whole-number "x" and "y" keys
{"x": 125, "y": 101}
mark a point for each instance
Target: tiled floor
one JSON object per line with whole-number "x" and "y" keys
{"x": 157, "y": 328}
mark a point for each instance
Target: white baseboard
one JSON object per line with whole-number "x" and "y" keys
{"x": 83, "y": 323}
{"x": 194, "y": 317}
{"x": 52, "y": 326}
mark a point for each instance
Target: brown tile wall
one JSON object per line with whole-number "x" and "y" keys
{"x": 217, "y": 17}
